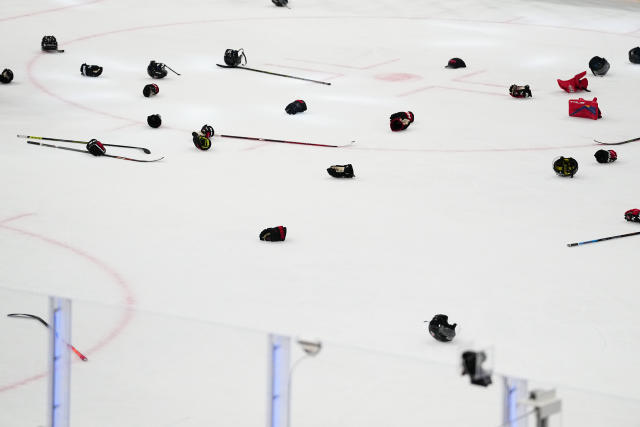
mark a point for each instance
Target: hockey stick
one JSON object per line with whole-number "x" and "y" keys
{"x": 602, "y": 239}
{"x": 41, "y": 320}
{"x": 284, "y": 141}
{"x": 275, "y": 74}
{"x": 172, "y": 70}
{"x": 616, "y": 143}
{"x": 146, "y": 150}
{"x": 85, "y": 151}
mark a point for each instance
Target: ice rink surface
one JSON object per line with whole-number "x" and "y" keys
{"x": 459, "y": 214}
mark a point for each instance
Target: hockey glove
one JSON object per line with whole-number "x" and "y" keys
{"x": 233, "y": 57}
{"x": 150, "y": 90}
{"x": 90, "y": 70}
{"x": 577, "y": 83}
{"x": 154, "y": 120}
{"x": 280, "y": 3}
{"x": 96, "y": 148}
{"x": 520, "y": 91}
{"x": 341, "y": 171}
{"x": 401, "y": 121}
{"x": 49, "y": 43}
{"x": 207, "y": 131}
{"x": 201, "y": 141}
{"x": 297, "y": 106}
{"x": 606, "y": 156}
{"x": 274, "y": 234}
{"x": 157, "y": 70}
{"x": 632, "y": 215}
{"x": 6, "y": 76}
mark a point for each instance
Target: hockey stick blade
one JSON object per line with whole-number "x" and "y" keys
{"x": 145, "y": 150}
{"x": 41, "y": 320}
{"x": 616, "y": 143}
{"x": 276, "y": 74}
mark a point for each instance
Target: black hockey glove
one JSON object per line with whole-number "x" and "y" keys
{"x": 520, "y": 91}
{"x": 207, "y": 131}
{"x": 606, "y": 156}
{"x": 6, "y": 76}
{"x": 341, "y": 171}
{"x": 401, "y": 120}
{"x": 274, "y": 234}
{"x": 297, "y": 106}
{"x": 150, "y": 90}
{"x": 632, "y": 215}
{"x": 49, "y": 43}
{"x": 280, "y": 3}
{"x": 96, "y": 148}
{"x": 154, "y": 120}
{"x": 234, "y": 58}
{"x": 201, "y": 141}
{"x": 90, "y": 70}
{"x": 157, "y": 70}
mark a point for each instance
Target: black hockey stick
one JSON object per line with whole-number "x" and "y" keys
{"x": 603, "y": 239}
{"x": 617, "y": 143}
{"x": 85, "y": 151}
{"x": 275, "y": 74}
{"x": 172, "y": 70}
{"x": 146, "y": 150}
{"x": 41, "y": 320}
{"x": 284, "y": 141}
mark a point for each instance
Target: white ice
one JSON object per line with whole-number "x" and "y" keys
{"x": 459, "y": 214}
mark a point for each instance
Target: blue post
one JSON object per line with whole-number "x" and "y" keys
{"x": 279, "y": 350}
{"x": 59, "y": 361}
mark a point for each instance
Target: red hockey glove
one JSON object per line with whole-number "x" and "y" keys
{"x": 632, "y": 215}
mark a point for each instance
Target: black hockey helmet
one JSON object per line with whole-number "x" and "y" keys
{"x": 49, "y": 43}
{"x": 565, "y": 166}
{"x": 599, "y": 66}
{"x": 6, "y": 76}
{"x": 233, "y": 57}
{"x": 156, "y": 70}
{"x": 634, "y": 55}
{"x": 440, "y": 329}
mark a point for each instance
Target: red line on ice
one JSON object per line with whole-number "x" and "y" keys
{"x": 115, "y": 276}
